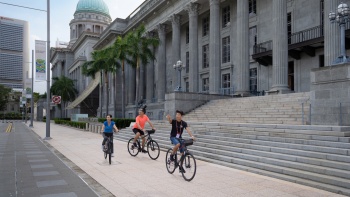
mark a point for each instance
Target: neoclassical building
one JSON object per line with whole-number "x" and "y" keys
{"x": 228, "y": 47}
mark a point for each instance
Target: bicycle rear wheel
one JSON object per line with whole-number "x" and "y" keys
{"x": 133, "y": 151}
{"x": 170, "y": 165}
{"x": 153, "y": 149}
{"x": 189, "y": 167}
{"x": 110, "y": 152}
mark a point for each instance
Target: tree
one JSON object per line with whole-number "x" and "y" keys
{"x": 120, "y": 48}
{"x": 102, "y": 61}
{"x": 140, "y": 52}
{"x": 64, "y": 87}
{"x": 4, "y": 92}
{"x": 36, "y": 96}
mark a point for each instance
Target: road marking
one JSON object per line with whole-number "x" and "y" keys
{"x": 9, "y": 128}
{"x": 50, "y": 183}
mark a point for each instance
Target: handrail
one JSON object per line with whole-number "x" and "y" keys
{"x": 305, "y": 35}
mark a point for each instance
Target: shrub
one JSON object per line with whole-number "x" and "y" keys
{"x": 119, "y": 122}
{"x": 79, "y": 125}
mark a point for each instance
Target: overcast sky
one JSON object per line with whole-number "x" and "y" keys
{"x": 61, "y": 14}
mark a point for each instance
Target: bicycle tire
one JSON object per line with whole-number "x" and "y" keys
{"x": 190, "y": 166}
{"x": 132, "y": 151}
{"x": 153, "y": 147}
{"x": 170, "y": 165}
{"x": 110, "y": 152}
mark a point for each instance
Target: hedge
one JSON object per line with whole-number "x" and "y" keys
{"x": 120, "y": 123}
{"x": 11, "y": 116}
{"x": 80, "y": 125}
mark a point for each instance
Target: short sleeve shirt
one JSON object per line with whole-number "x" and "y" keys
{"x": 142, "y": 121}
{"x": 177, "y": 128}
{"x": 108, "y": 128}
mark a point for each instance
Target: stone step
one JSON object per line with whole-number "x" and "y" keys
{"x": 330, "y": 180}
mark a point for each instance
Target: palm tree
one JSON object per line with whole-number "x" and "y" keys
{"x": 102, "y": 61}
{"x": 120, "y": 48}
{"x": 140, "y": 52}
{"x": 64, "y": 87}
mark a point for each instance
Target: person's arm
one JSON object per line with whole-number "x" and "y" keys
{"x": 116, "y": 128}
{"x": 103, "y": 128}
{"x": 169, "y": 118}
{"x": 190, "y": 133}
{"x": 151, "y": 124}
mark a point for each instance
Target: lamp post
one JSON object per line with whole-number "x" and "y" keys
{"x": 341, "y": 16}
{"x": 178, "y": 66}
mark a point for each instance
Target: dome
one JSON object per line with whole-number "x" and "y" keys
{"x": 96, "y": 6}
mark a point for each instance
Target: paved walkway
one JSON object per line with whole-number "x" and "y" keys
{"x": 141, "y": 176}
{"x": 28, "y": 168}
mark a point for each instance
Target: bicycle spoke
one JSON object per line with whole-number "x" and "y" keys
{"x": 170, "y": 165}
{"x": 153, "y": 149}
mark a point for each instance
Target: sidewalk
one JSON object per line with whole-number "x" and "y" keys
{"x": 141, "y": 176}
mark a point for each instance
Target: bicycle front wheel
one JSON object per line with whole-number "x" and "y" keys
{"x": 153, "y": 149}
{"x": 170, "y": 165}
{"x": 133, "y": 151}
{"x": 189, "y": 167}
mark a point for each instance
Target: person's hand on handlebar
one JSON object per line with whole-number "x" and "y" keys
{"x": 193, "y": 138}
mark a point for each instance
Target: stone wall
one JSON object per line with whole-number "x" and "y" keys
{"x": 330, "y": 87}
{"x": 187, "y": 102}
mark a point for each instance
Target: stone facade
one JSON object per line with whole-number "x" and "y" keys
{"x": 229, "y": 47}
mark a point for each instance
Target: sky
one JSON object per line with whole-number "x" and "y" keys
{"x": 61, "y": 14}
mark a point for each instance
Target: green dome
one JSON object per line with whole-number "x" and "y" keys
{"x": 96, "y": 6}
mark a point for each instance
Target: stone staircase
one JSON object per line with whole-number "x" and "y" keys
{"x": 317, "y": 156}
{"x": 274, "y": 109}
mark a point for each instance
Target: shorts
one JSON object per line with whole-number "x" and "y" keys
{"x": 138, "y": 131}
{"x": 175, "y": 141}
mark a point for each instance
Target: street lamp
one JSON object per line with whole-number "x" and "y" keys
{"x": 341, "y": 16}
{"x": 178, "y": 66}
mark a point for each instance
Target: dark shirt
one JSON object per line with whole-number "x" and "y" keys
{"x": 177, "y": 128}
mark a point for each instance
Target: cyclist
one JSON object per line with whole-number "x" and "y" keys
{"x": 139, "y": 127}
{"x": 107, "y": 131}
{"x": 177, "y": 128}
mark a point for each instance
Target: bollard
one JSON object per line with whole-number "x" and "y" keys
{"x": 90, "y": 128}
{"x": 86, "y": 126}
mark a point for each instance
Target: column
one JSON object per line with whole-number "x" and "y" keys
{"x": 142, "y": 83}
{"x": 150, "y": 76}
{"x": 331, "y": 34}
{"x": 193, "y": 10}
{"x": 132, "y": 85}
{"x": 242, "y": 75}
{"x": 280, "y": 47}
{"x": 214, "y": 47}
{"x": 161, "y": 85}
{"x": 176, "y": 45}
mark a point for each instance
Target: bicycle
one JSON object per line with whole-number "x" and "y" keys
{"x": 152, "y": 146}
{"x": 108, "y": 148}
{"x": 186, "y": 166}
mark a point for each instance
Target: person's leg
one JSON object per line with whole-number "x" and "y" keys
{"x": 137, "y": 135}
{"x": 143, "y": 142}
{"x": 104, "y": 138}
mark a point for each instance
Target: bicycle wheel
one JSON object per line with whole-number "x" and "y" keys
{"x": 189, "y": 167}
{"x": 105, "y": 152}
{"x": 170, "y": 165}
{"x": 153, "y": 149}
{"x": 133, "y": 151}
{"x": 110, "y": 152}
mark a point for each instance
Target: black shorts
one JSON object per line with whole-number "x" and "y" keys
{"x": 138, "y": 131}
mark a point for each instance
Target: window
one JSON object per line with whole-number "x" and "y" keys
{"x": 226, "y": 81}
{"x": 291, "y": 75}
{"x": 252, "y": 6}
{"x": 130, "y": 115}
{"x": 206, "y": 56}
{"x": 226, "y": 49}
{"x": 205, "y": 25}
{"x": 205, "y": 84}
{"x": 150, "y": 115}
{"x": 187, "y": 62}
{"x": 289, "y": 26}
{"x": 253, "y": 80}
{"x": 321, "y": 61}
{"x": 225, "y": 16}
{"x": 187, "y": 35}
{"x": 253, "y": 39}
{"x": 187, "y": 86}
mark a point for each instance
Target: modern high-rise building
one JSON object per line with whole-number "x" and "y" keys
{"x": 14, "y": 52}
